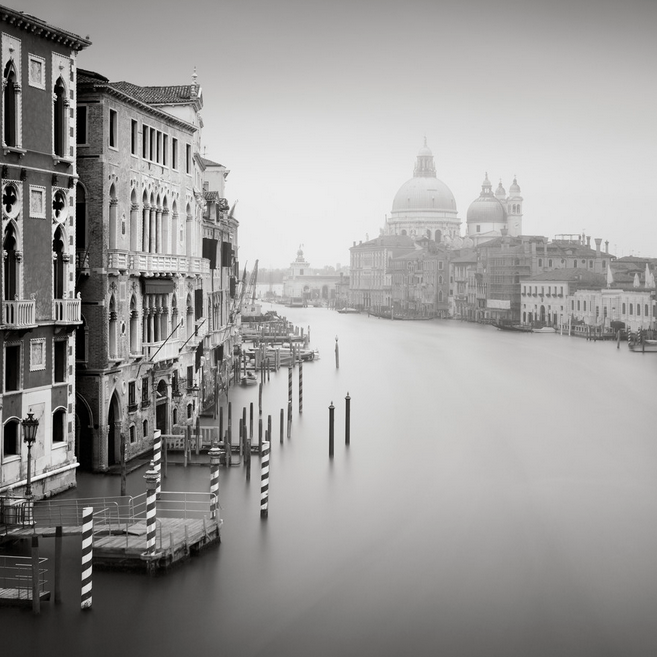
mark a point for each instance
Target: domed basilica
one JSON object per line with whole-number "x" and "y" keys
{"x": 424, "y": 207}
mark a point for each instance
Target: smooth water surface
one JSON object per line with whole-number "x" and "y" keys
{"x": 498, "y": 497}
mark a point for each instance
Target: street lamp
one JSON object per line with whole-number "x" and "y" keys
{"x": 30, "y": 427}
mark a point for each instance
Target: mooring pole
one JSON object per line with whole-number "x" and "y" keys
{"x": 289, "y": 419}
{"x": 58, "y": 563}
{"x": 331, "y": 428}
{"x": 347, "y": 419}
{"x": 337, "y": 354}
{"x": 282, "y": 422}
{"x": 157, "y": 459}
{"x": 300, "y": 386}
{"x": 36, "y": 597}
{"x": 214, "y": 481}
{"x": 289, "y": 383}
{"x": 264, "y": 481}
{"x": 251, "y": 420}
{"x": 229, "y": 436}
{"x": 123, "y": 465}
{"x": 87, "y": 556}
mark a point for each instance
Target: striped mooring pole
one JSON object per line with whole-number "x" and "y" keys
{"x": 157, "y": 459}
{"x": 300, "y": 386}
{"x": 289, "y": 384}
{"x": 151, "y": 511}
{"x": 214, "y": 480}
{"x": 87, "y": 556}
{"x": 264, "y": 481}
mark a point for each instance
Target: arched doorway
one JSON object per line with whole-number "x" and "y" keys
{"x": 83, "y": 434}
{"x": 114, "y": 431}
{"x": 161, "y": 407}
{"x": 543, "y": 314}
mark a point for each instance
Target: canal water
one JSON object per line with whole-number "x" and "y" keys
{"x": 498, "y": 497}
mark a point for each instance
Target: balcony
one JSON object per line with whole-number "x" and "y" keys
{"x": 157, "y": 352}
{"x": 67, "y": 311}
{"x": 19, "y": 314}
{"x": 156, "y": 263}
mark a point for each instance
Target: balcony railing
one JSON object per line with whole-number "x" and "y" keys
{"x": 20, "y": 313}
{"x": 67, "y": 311}
{"x": 157, "y": 263}
{"x": 167, "y": 350}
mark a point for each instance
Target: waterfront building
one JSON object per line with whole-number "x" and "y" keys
{"x": 463, "y": 290}
{"x": 40, "y": 309}
{"x": 424, "y": 206}
{"x": 370, "y": 282}
{"x": 548, "y": 298}
{"x": 492, "y": 215}
{"x": 420, "y": 282}
{"x": 311, "y": 285}
{"x": 156, "y": 267}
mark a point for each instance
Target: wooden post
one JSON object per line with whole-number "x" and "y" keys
{"x": 289, "y": 420}
{"x": 251, "y": 421}
{"x": 331, "y": 428}
{"x": 247, "y": 460}
{"x": 124, "y": 479}
{"x": 264, "y": 481}
{"x": 87, "y": 556}
{"x": 188, "y": 430}
{"x": 221, "y": 423}
{"x": 58, "y": 564}
{"x": 36, "y": 596}
{"x": 347, "y": 419}
{"x": 337, "y": 354}
{"x": 260, "y": 398}
{"x": 243, "y": 431}
{"x": 618, "y": 339}
{"x": 282, "y": 422}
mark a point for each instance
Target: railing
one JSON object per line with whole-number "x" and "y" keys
{"x": 16, "y": 511}
{"x": 68, "y": 513}
{"x": 67, "y": 311}
{"x": 16, "y": 577}
{"x": 19, "y": 313}
{"x": 156, "y": 262}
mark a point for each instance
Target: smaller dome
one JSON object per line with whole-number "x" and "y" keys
{"x": 500, "y": 192}
{"x": 515, "y": 188}
{"x": 486, "y": 210}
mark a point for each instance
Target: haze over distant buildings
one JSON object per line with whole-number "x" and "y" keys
{"x": 318, "y": 109}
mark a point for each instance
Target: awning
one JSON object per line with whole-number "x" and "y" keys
{"x": 158, "y": 285}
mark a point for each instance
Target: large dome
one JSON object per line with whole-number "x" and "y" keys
{"x": 424, "y": 193}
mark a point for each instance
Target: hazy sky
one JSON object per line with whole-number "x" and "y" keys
{"x": 318, "y": 108}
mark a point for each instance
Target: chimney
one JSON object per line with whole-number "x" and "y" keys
{"x": 606, "y": 246}
{"x": 588, "y": 241}
{"x": 598, "y": 242}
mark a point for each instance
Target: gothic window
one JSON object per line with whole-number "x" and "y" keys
{"x": 145, "y": 220}
{"x": 11, "y": 262}
{"x": 10, "y": 201}
{"x": 113, "y": 212}
{"x": 59, "y": 116}
{"x": 80, "y": 218}
{"x": 112, "y": 326}
{"x": 59, "y": 268}
{"x": 10, "y": 105}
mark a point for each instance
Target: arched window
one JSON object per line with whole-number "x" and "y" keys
{"x": 134, "y": 222}
{"x": 11, "y": 277}
{"x": 113, "y": 213}
{"x": 58, "y": 265}
{"x": 190, "y": 316}
{"x": 59, "y": 426}
{"x": 80, "y": 218}
{"x": 638, "y": 309}
{"x": 59, "y": 118}
{"x": 438, "y": 236}
{"x": 631, "y": 309}
{"x": 145, "y": 223}
{"x": 645, "y": 310}
{"x": 174, "y": 416}
{"x": 144, "y": 429}
{"x": 10, "y": 105}
{"x": 112, "y": 326}
{"x": 166, "y": 236}
{"x": 134, "y": 326}
{"x": 623, "y": 309}
{"x": 10, "y": 441}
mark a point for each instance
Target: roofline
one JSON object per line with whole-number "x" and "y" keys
{"x": 104, "y": 85}
{"x": 41, "y": 28}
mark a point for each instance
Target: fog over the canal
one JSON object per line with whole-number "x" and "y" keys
{"x": 498, "y": 498}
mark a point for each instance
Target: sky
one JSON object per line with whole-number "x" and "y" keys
{"x": 319, "y": 108}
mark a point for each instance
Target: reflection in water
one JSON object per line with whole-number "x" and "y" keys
{"x": 498, "y": 498}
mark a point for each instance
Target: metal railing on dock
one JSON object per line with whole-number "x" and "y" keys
{"x": 16, "y": 578}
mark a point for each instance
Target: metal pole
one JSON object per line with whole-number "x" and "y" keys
{"x": 87, "y": 556}
{"x": 347, "y": 420}
{"x": 331, "y": 428}
{"x": 36, "y": 597}
{"x": 264, "y": 481}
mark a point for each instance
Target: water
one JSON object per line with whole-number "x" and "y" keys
{"x": 498, "y": 498}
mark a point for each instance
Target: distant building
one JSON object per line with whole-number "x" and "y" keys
{"x": 40, "y": 309}
{"x": 424, "y": 206}
{"x": 493, "y": 215}
{"x": 370, "y": 280}
{"x": 311, "y": 285}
